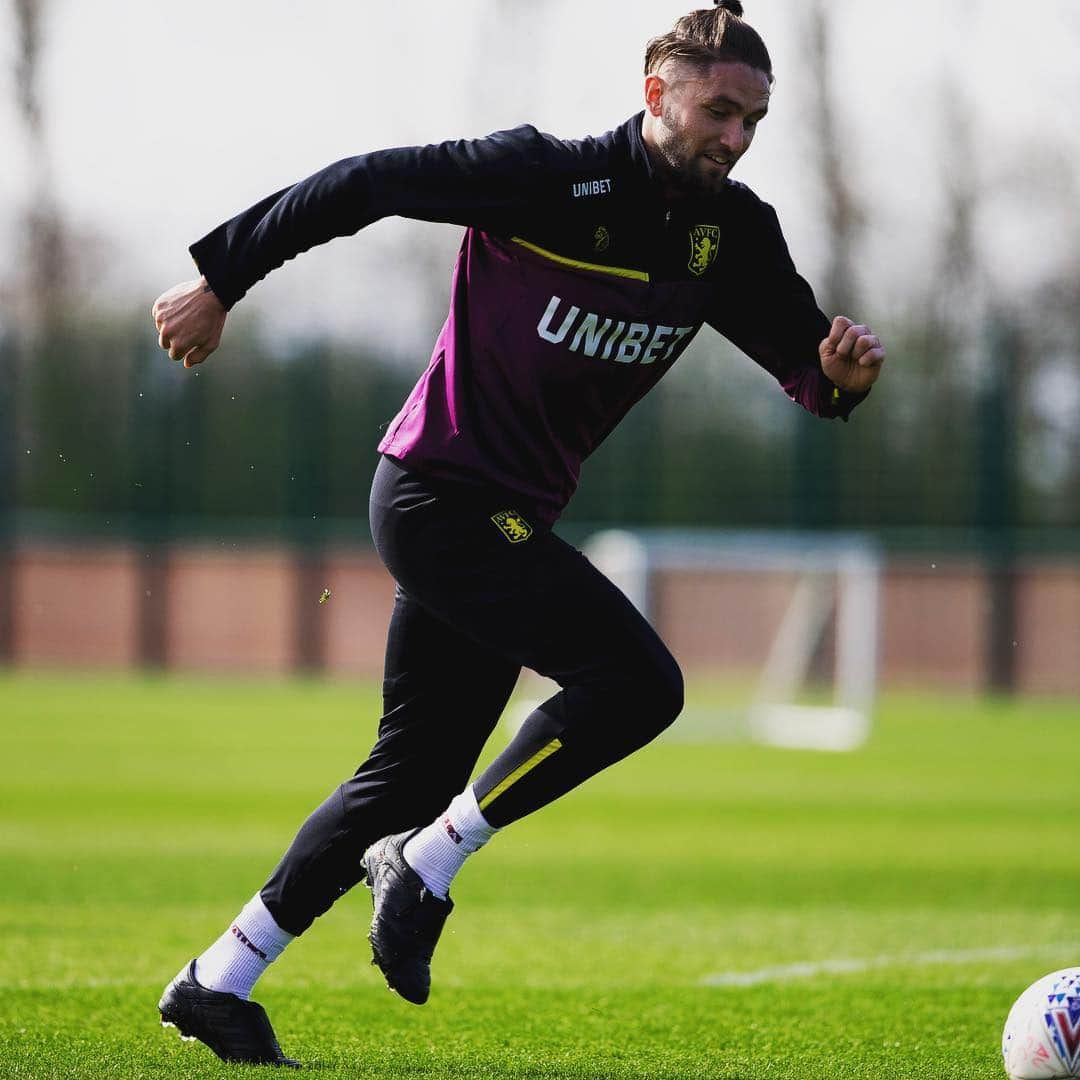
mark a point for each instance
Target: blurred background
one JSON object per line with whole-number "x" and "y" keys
{"x": 925, "y": 167}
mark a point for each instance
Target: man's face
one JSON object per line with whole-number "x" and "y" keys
{"x": 700, "y": 121}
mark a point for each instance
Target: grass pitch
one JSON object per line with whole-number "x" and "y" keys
{"x": 880, "y": 909}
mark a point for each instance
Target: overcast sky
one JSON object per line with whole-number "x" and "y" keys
{"x": 165, "y": 118}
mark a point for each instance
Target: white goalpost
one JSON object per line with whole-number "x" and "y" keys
{"x": 808, "y": 597}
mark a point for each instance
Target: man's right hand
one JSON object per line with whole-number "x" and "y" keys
{"x": 189, "y": 318}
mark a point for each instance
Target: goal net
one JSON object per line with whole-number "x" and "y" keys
{"x": 777, "y": 632}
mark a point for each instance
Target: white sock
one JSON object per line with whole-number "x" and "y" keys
{"x": 236, "y": 960}
{"x": 439, "y": 850}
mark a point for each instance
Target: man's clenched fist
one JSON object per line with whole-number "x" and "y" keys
{"x": 851, "y": 356}
{"x": 189, "y": 318}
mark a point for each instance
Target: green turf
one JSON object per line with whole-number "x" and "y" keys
{"x": 137, "y": 815}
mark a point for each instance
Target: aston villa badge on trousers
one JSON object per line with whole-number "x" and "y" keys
{"x": 512, "y": 525}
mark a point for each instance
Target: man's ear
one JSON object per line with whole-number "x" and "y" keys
{"x": 655, "y": 88}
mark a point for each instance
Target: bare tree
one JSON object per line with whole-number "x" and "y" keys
{"x": 838, "y": 288}
{"x": 46, "y": 279}
{"x": 843, "y": 215}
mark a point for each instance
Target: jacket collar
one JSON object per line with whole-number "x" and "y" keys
{"x": 639, "y": 154}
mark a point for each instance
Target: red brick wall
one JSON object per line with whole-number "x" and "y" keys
{"x": 236, "y": 611}
{"x": 933, "y": 625}
{"x": 1048, "y": 629}
{"x": 357, "y": 614}
{"x": 718, "y": 619}
{"x": 229, "y": 611}
{"x": 74, "y": 607}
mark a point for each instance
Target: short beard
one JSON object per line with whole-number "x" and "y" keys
{"x": 672, "y": 148}
{"x": 677, "y": 158}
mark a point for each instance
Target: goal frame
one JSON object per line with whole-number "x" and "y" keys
{"x": 836, "y": 583}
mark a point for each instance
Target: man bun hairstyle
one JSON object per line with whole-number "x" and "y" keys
{"x": 708, "y": 35}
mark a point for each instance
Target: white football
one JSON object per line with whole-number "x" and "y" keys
{"x": 1041, "y": 1040}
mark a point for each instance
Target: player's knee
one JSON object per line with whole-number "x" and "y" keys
{"x": 674, "y": 691}
{"x": 662, "y": 692}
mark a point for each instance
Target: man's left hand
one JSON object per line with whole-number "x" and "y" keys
{"x": 851, "y": 356}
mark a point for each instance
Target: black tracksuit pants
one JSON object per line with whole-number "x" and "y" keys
{"x": 479, "y": 597}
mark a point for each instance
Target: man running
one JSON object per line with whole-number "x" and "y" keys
{"x": 585, "y": 270}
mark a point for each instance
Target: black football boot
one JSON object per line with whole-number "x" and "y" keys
{"x": 407, "y": 921}
{"x": 236, "y": 1030}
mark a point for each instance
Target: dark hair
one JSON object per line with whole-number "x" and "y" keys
{"x": 711, "y": 34}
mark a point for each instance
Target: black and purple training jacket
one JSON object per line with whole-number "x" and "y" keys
{"x": 577, "y": 287}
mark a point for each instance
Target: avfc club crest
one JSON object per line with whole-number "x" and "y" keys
{"x": 704, "y": 243}
{"x": 1063, "y": 1022}
{"x": 512, "y": 525}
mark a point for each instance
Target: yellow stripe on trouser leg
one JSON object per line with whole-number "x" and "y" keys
{"x": 520, "y": 771}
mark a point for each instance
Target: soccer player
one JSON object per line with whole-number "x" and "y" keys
{"x": 585, "y": 269}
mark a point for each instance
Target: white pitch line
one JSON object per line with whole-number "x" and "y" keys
{"x": 809, "y": 969}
